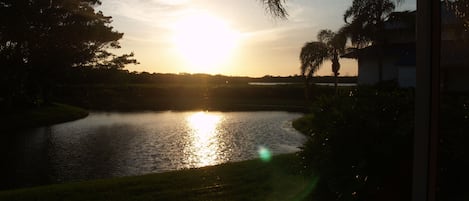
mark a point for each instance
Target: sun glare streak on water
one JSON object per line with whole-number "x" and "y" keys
{"x": 205, "y": 146}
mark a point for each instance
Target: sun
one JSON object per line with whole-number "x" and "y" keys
{"x": 204, "y": 42}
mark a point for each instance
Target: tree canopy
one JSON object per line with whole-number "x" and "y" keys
{"x": 41, "y": 39}
{"x": 365, "y": 20}
{"x": 313, "y": 54}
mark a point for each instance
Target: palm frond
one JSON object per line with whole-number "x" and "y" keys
{"x": 312, "y": 56}
{"x": 277, "y": 8}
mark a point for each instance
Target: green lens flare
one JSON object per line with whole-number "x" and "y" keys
{"x": 264, "y": 154}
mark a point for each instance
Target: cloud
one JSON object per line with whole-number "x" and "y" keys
{"x": 146, "y": 21}
{"x": 277, "y": 34}
{"x": 148, "y": 12}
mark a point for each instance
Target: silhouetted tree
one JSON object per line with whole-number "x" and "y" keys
{"x": 40, "y": 40}
{"x": 312, "y": 55}
{"x": 335, "y": 42}
{"x": 365, "y": 24}
{"x": 115, "y": 62}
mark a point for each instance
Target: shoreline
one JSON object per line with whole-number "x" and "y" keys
{"x": 43, "y": 116}
{"x": 60, "y": 113}
{"x": 278, "y": 179}
{"x": 216, "y": 183}
{"x": 240, "y": 108}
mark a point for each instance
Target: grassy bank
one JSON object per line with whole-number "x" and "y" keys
{"x": 303, "y": 124}
{"x": 201, "y": 96}
{"x": 46, "y": 115}
{"x": 279, "y": 179}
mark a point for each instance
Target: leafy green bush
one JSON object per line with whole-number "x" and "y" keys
{"x": 360, "y": 145}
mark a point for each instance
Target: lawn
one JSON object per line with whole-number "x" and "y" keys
{"x": 278, "y": 179}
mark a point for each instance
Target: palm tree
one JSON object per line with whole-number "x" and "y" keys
{"x": 335, "y": 42}
{"x": 366, "y": 25}
{"x": 313, "y": 54}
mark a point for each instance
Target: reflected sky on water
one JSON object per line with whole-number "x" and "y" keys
{"x": 113, "y": 144}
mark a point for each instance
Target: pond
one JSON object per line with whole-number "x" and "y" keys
{"x": 105, "y": 145}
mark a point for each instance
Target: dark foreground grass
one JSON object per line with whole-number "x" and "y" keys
{"x": 46, "y": 115}
{"x": 279, "y": 179}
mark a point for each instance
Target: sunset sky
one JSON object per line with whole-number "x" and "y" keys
{"x": 229, "y": 37}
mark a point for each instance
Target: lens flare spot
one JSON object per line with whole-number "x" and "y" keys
{"x": 264, "y": 154}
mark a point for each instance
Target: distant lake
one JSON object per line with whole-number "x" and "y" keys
{"x": 338, "y": 84}
{"x": 272, "y": 83}
{"x": 287, "y": 83}
{"x": 105, "y": 145}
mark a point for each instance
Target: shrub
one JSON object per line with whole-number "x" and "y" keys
{"x": 360, "y": 145}
{"x": 453, "y": 152}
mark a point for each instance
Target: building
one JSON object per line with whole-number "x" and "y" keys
{"x": 398, "y": 53}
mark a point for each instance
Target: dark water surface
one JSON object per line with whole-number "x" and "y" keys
{"x": 107, "y": 145}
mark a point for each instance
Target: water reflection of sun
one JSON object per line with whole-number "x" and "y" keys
{"x": 205, "y": 146}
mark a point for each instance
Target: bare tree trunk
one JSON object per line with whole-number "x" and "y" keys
{"x": 380, "y": 63}
{"x": 336, "y": 79}
{"x": 380, "y": 43}
{"x": 307, "y": 88}
{"x": 335, "y": 70}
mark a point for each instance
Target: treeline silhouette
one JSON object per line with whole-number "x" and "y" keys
{"x": 83, "y": 76}
{"x": 113, "y": 89}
